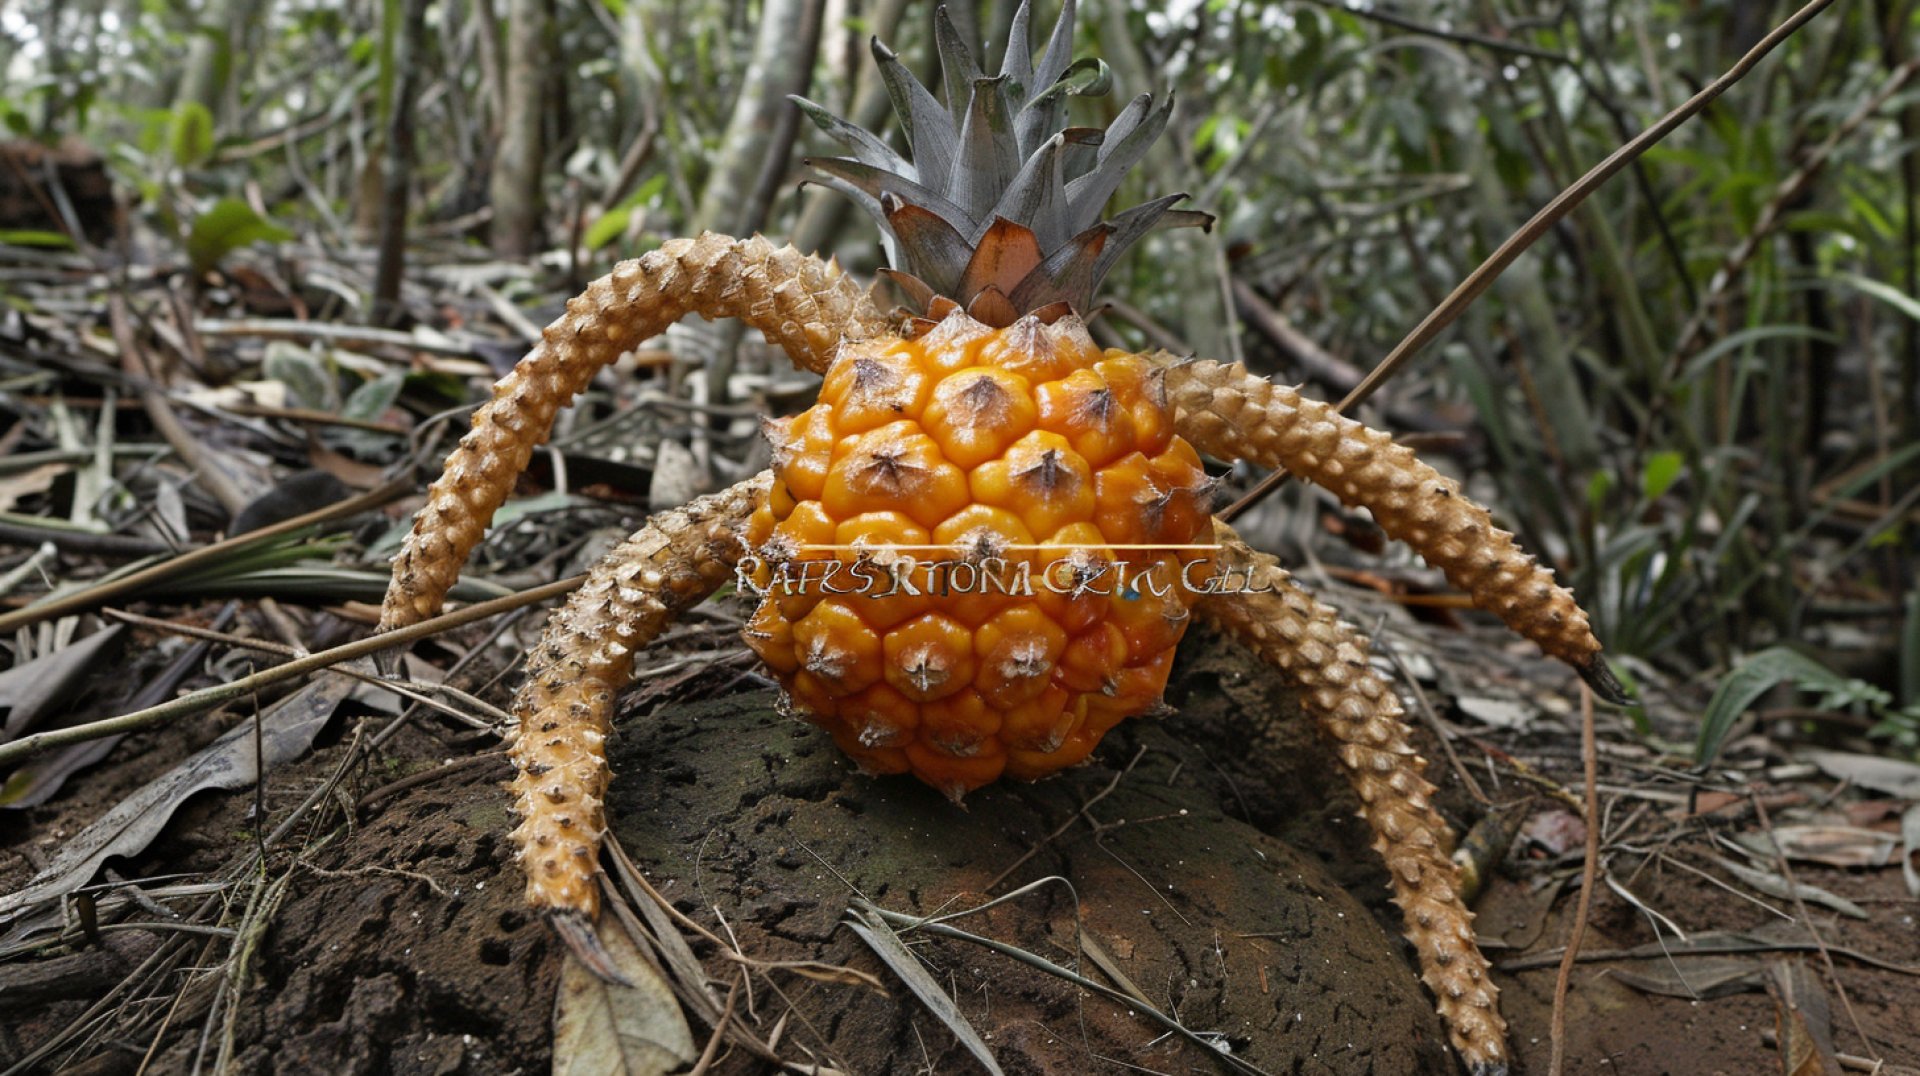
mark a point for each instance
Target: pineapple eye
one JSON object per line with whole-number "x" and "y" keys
{"x": 975, "y": 414}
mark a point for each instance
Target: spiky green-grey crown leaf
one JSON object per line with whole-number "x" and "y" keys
{"x": 998, "y": 206}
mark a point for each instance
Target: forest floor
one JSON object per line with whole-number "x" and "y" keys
{"x": 357, "y": 911}
{"x": 1215, "y": 864}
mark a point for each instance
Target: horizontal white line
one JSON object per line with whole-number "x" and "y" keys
{"x": 956, "y": 547}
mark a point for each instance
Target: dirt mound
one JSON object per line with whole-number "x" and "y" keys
{"x": 754, "y": 819}
{"x": 409, "y": 950}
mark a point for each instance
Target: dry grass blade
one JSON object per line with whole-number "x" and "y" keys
{"x": 1717, "y": 942}
{"x": 286, "y": 731}
{"x": 208, "y": 698}
{"x": 875, "y": 913}
{"x": 186, "y": 563}
{"x": 867, "y": 922}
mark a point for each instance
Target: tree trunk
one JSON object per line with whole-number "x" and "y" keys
{"x": 397, "y": 171}
{"x": 826, "y": 212}
{"x": 735, "y": 198}
{"x": 754, "y": 152}
{"x": 515, "y": 189}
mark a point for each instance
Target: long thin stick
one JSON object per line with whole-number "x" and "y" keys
{"x": 1482, "y": 278}
{"x": 94, "y": 596}
{"x": 208, "y": 698}
{"x": 1589, "y": 871}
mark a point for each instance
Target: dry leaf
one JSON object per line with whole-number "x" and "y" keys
{"x": 1803, "y": 1019}
{"x": 1554, "y": 831}
{"x": 1500, "y": 713}
{"x": 1889, "y": 775}
{"x": 1708, "y": 801}
{"x": 1774, "y": 885}
{"x": 677, "y": 477}
{"x": 1695, "y": 977}
{"x": 28, "y": 483}
{"x": 604, "y": 1029}
{"x": 36, "y": 780}
{"x": 286, "y": 731}
{"x": 32, "y": 692}
{"x": 1835, "y": 846}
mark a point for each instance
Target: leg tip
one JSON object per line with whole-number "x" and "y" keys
{"x": 1600, "y": 678}
{"x": 576, "y": 930}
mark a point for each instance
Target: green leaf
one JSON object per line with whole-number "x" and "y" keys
{"x": 1598, "y": 487}
{"x": 611, "y": 225}
{"x": 372, "y": 398}
{"x": 225, "y": 228}
{"x": 1863, "y": 206}
{"x": 614, "y": 222}
{"x": 1752, "y": 678}
{"x": 1886, "y": 293}
{"x": 28, "y": 237}
{"x": 1747, "y": 338}
{"x": 305, "y": 378}
{"x": 1663, "y": 469}
{"x": 190, "y": 135}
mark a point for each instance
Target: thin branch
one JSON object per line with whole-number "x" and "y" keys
{"x": 208, "y": 698}
{"x": 1458, "y": 37}
{"x": 1589, "y": 872}
{"x": 133, "y": 360}
{"x": 100, "y": 593}
{"x": 1482, "y": 278}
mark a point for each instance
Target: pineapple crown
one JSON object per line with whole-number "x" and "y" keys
{"x": 999, "y": 208}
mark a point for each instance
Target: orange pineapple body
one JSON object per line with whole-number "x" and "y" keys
{"x": 979, "y": 551}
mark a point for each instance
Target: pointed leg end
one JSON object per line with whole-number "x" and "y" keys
{"x": 1600, "y": 678}
{"x": 576, "y": 929}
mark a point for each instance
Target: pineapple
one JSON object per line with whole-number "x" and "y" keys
{"x": 1026, "y": 518}
{"x": 990, "y": 453}
{"x": 976, "y": 553}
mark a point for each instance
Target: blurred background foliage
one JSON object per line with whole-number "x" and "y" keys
{"x": 1698, "y": 396}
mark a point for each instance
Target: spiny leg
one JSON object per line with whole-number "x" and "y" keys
{"x": 1304, "y": 639}
{"x": 804, "y": 305}
{"x": 585, "y": 657}
{"x": 1232, "y": 414}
